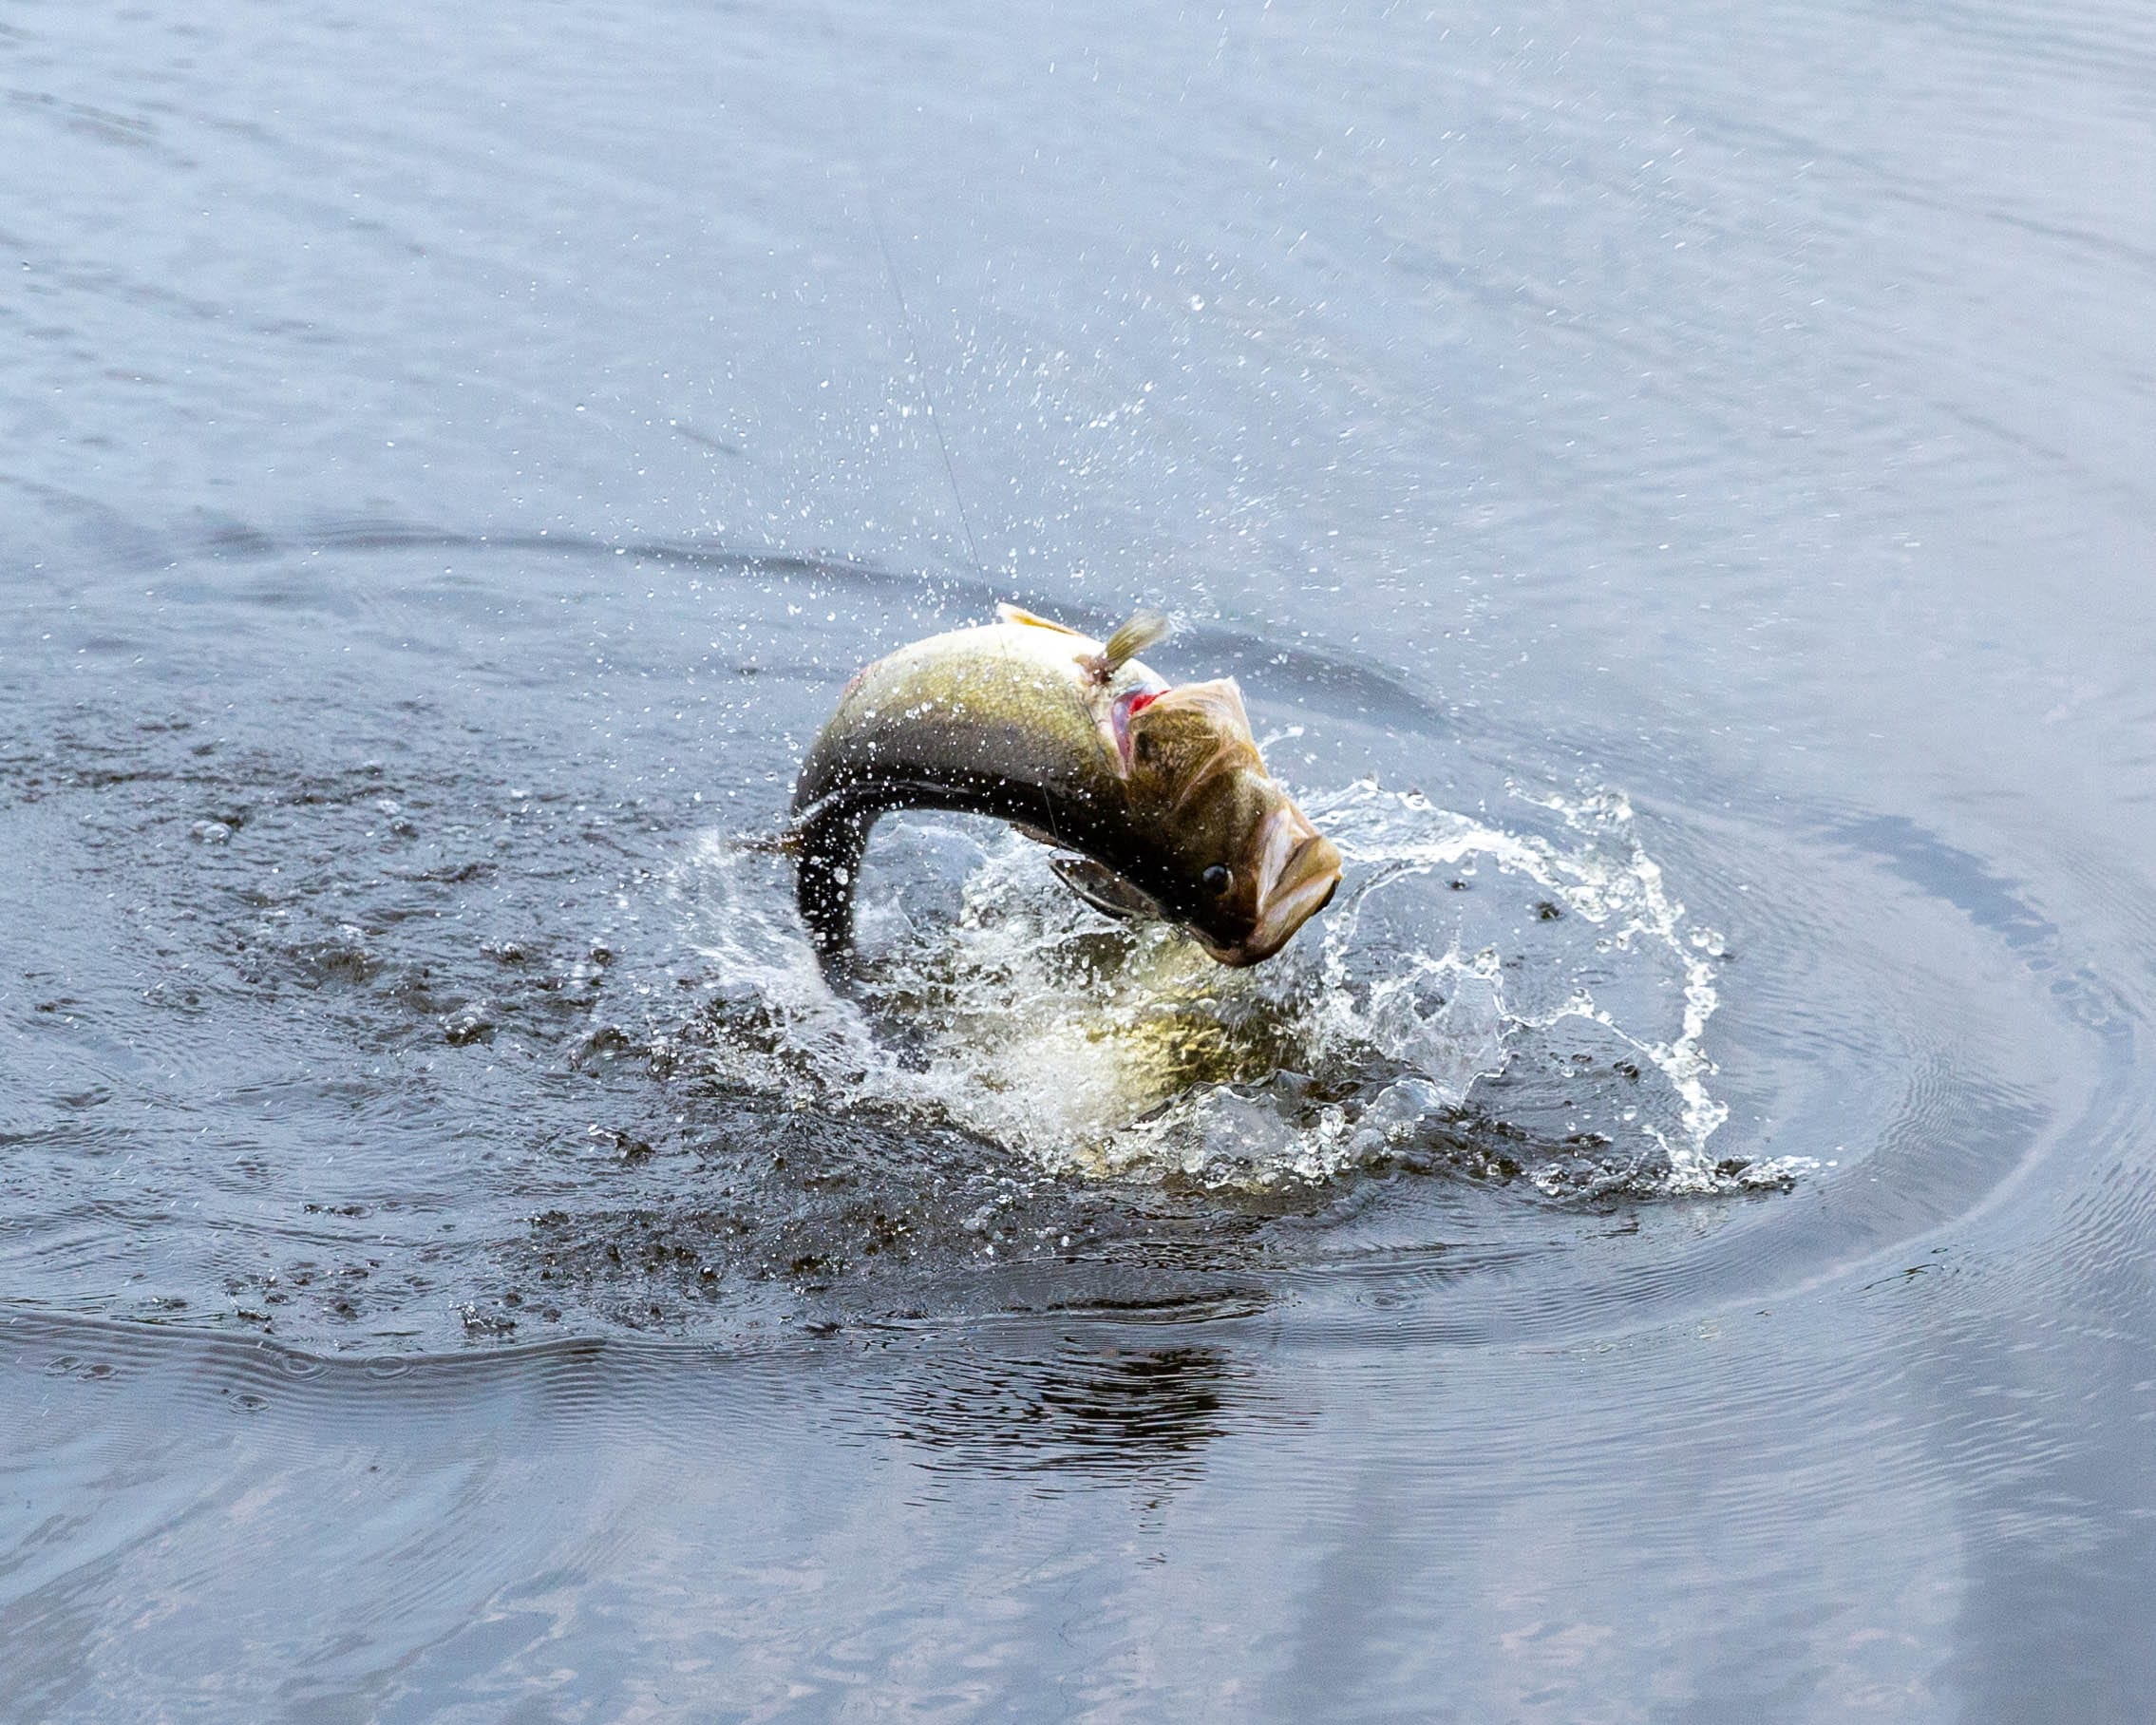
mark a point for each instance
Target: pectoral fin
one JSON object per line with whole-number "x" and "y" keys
{"x": 1145, "y": 628}
{"x": 1105, "y": 890}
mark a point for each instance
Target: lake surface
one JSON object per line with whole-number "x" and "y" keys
{"x": 1675, "y": 1241}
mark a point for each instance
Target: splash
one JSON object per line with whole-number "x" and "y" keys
{"x": 1527, "y": 1005}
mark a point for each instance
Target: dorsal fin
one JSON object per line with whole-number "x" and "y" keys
{"x": 1016, "y": 613}
{"x": 1144, "y": 627}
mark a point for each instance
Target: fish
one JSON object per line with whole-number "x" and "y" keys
{"x": 1154, "y": 794}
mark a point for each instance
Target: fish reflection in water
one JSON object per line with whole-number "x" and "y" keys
{"x": 416, "y": 577}
{"x": 1085, "y": 1412}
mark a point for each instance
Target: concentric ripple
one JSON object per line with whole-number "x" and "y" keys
{"x": 435, "y": 1028}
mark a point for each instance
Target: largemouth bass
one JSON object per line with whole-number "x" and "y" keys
{"x": 1156, "y": 793}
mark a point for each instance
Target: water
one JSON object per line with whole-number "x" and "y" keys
{"x": 1672, "y": 1242}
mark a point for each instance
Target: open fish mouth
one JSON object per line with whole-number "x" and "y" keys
{"x": 1298, "y": 872}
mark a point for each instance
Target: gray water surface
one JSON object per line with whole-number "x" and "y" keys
{"x": 1672, "y": 1242}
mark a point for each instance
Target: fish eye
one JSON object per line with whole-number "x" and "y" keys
{"x": 1219, "y": 879}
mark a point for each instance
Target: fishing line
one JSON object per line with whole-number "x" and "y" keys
{"x": 898, "y": 293}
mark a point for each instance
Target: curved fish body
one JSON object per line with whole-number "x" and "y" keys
{"x": 1157, "y": 792}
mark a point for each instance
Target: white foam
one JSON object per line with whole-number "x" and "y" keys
{"x": 991, "y": 1000}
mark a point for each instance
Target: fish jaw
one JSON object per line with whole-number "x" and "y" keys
{"x": 1298, "y": 873}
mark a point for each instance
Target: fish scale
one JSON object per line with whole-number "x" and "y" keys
{"x": 1160, "y": 791}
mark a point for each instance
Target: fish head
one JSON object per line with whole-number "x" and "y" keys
{"x": 1225, "y": 850}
